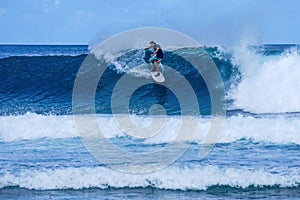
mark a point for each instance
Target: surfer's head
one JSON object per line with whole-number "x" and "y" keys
{"x": 152, "y": 43}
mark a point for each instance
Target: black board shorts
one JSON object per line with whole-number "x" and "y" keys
{"x": 159, "y": 54}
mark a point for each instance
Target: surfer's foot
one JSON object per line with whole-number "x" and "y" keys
{"x": 158, "y": 73}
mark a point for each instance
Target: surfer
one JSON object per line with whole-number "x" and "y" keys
{"x": 156, "y": 56}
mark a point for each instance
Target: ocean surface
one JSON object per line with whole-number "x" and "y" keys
{"x": 257, "y": 155}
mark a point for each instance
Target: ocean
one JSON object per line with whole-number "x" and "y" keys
{"x": 43, "y": 156}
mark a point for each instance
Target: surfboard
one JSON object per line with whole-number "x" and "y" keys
{"x": 160, "y": 78}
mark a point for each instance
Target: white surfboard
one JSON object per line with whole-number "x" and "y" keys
{"x": 160, "y": 78}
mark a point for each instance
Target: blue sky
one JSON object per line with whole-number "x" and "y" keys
{"x": 207, "y": 21}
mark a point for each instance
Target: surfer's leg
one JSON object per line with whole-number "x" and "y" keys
{"x": 157, "y": 67}
{"x": 153, "y": 65}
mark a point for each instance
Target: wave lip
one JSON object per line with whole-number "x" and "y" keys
{"x": 173, "y": 178}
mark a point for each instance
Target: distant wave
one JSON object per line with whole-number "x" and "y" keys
{"x": 7, "y": 51}
{"x": 31, "y": 126}
{"x": 42, "y": 55}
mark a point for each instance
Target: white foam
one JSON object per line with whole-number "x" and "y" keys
{"x": 31, "y": 126}
{"x": 276, "y": 130}
{"x": 270, "y": 84}
{"x": 174, "y": 178}
{"x": 133, "y": 64}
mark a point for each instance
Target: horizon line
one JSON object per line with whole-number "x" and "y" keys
{"x": 85, "y": 44}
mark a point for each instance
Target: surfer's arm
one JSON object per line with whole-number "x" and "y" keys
{"x": 147, "y": 48}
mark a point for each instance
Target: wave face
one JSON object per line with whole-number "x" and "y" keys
{"x": 257, "y": 79}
